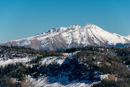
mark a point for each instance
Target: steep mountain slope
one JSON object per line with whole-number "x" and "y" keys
{"x": 72, "y": 36}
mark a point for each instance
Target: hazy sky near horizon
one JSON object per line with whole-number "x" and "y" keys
{"x": 25, "y": 18}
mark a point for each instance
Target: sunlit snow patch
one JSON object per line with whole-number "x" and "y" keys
{"x": 50, "y": 60}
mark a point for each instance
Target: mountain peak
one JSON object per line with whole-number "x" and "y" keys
{"x": 91, "y": 26}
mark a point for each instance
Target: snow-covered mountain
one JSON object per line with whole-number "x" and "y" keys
{"x": 72, "y": 36}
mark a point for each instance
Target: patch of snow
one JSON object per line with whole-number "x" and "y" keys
{"x": 50, "y": 60}
{"x": 14, "y": 61}
{"x": 105, "y": 76}
{"x": 15, "y": 80}
{"x": 67, "y": 54}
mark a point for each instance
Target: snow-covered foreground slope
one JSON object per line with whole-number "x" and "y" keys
{"x": 61, "y": 72}
{"x": 63, "y": 78}
{"x": 72, "y": 36}
{"x": 43, "y": 82}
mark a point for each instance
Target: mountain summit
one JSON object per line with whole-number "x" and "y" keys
{"x": 72, "y": 36}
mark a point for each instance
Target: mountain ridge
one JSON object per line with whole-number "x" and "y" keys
{"x": 68, "y": 37}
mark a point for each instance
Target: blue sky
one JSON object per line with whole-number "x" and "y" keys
{"x": 25, "y": 18}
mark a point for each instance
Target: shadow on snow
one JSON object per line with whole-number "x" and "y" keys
{"x": 70, "y": 72}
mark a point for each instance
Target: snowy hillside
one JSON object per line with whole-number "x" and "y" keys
{"x": 68, "y": 37}
{"x": 62, "y": 79}
{"x": 76, "y": 67}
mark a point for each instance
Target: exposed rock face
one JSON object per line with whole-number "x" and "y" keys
{"x": 72, "y": 36}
